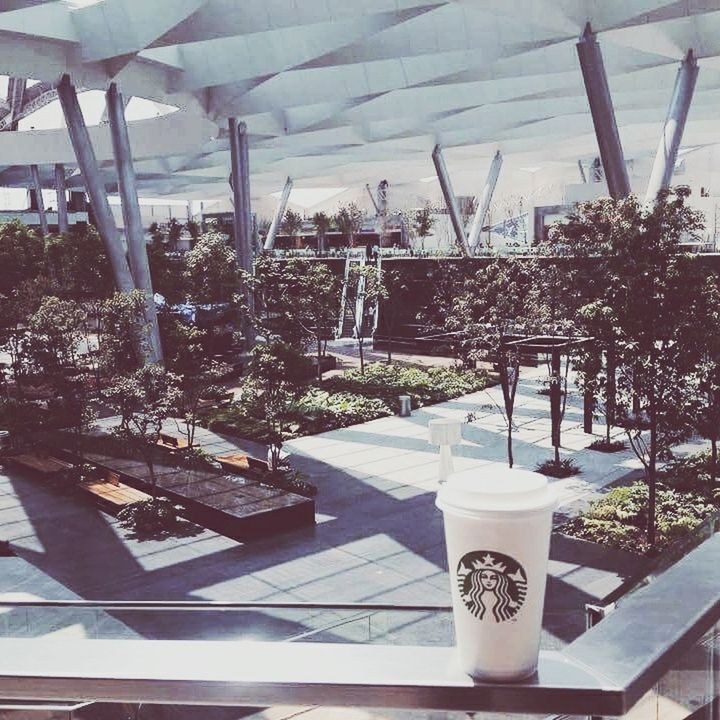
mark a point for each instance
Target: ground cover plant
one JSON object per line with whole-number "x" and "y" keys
{"x": 344, "y": 400}
{"x": 685, "y": 498}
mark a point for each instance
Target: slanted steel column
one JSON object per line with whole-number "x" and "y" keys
{"x": 94, "y": 185}
{"x": 279, "y": 214}
{"x": 62, "y": 207}
{"x": 134, "y": 231}
{"x": 35, "y": 173}
{"x": 485, "y": 200}
{"x": 671, "y": 137}
{"x": 240, "y": 161}
{"x": 583, "y": 176}
{"x": 450, "y": 200}
{"x": 603, "y": 114}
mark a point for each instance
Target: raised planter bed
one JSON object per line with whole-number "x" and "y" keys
{"x": 240, "y": 508}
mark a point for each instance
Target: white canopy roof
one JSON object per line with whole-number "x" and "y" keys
{"x": 343, "y": 92}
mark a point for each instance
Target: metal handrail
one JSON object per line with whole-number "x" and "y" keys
{"x": 604, "y": 672}
{"x": 215, "y": 605}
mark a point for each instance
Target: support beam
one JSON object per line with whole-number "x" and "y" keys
{"x": 583, "y": 176}
{"x": 674, "y": 127}
{"x": 603, "y": 114}
{"x": 94, "y": 185}
{"x": 132, "y": 219}
{"x": 484, "y": 202}
{"x": 372, "y": 198}
{"x": 279, "y": 214}
{"x": 240, "y": 181}
{"x": 62, "y": 207}
{"x": 450, "y": 200}
{"x": 35, "y": 173}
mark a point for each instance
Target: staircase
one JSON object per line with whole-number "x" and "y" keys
{"x": 351, "y": 305}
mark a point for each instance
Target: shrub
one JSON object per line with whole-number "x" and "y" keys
{"x": 319, "y": 411}
{"x": 424, "y": 386}
{"x": 602, "y": 445}
{"x": 558, "y": 468}
{"x": 148, "y": 518}
{"x": 619, "y": 518}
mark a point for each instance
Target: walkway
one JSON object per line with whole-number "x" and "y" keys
{"x": 378, "y": 538}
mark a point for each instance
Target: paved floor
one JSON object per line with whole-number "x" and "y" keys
{"x": 378, "y": 538}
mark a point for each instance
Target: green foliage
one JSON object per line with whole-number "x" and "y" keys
{"x": 144, "y": 399}
{"x": 349, "y": 219}
{"x": 620, "y": 517}
{"x": 423, "y": 223}
{"x": 342, "y": 401}
{"x": 558, "y": 468}
{"x": 424, "y": 386}
{"x": 77, "y": 265}
{"x": 150, "y": 517}
{"x": 121, "y": 338}
{"x": 167, "y": 273}
{"x": 291, "y": 223}
{"x": 211, "y": 274}
{"x": 323, "y": 222}
{"x": 296, "y": 300}
{"x": 21, "y": 256}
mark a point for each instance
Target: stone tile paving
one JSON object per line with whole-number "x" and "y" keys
{"x": 378, "y": 537}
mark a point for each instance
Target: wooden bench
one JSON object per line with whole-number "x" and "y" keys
{"x": 243, "y": 465}
{"x": 111, "y": 494}
{"x": 173, "y": 442}
{"x": 46, "y": 465}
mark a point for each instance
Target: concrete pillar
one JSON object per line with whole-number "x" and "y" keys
{"x": 450, "y": 200}
{"x": 484, "y": 202}
{"x": 35, "y": 173}
{"x": 279, "y": 214}
{"x": 94, "y": 185}
{"x": 672, "y": 133}
{"x": 62, "y": 206}
{"x": 603, "y": 114}
{"x": 240, "y": 180}
{"x": 134, "y": 231}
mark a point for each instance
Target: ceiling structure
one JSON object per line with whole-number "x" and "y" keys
{"x": 337, "y": 93}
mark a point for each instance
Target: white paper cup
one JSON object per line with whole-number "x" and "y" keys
{"x": 497, "y": 531}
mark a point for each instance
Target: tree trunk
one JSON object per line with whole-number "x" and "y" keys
{"x": 509, "y": 443}
{"x": 153, "y": 484}
{"x": 652, "y": 483}
{"x": 713, "y": 462}
{"x": 319, "y": 355}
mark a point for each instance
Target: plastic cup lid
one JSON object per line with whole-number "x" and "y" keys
{"x": 496, "y": 488}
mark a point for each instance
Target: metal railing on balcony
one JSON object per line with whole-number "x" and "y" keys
{"x": 655, "y": 653}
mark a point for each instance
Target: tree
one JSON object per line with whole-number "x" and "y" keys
{"x": 78, "y": 266}
{"x": 297, "y": 300}
{"x": 121, "y": 334}
{"x": 491, "y": 308}
{"x": 144, "y": 399}
{"x": 168, "y": 274}
{"x": 21, "y": 256}
{"x": 423, "y": 223}
{"x": 398, "y": 288}
{"x": 650, "y": 294}
{"x": 291, "y": 223}
{"x": 349, "y": 220}
{"x": 364, "y": 289}
{"x": 211, "y": 270}
{"x": 323, "y": 223}
{"x": 51, "y": 351}
{"x": 271, "y": 389}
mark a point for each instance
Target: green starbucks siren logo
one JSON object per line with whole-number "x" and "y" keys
{"x": 491, "y": 584}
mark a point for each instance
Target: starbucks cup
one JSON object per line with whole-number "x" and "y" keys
{"x": 497, "y": 532}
